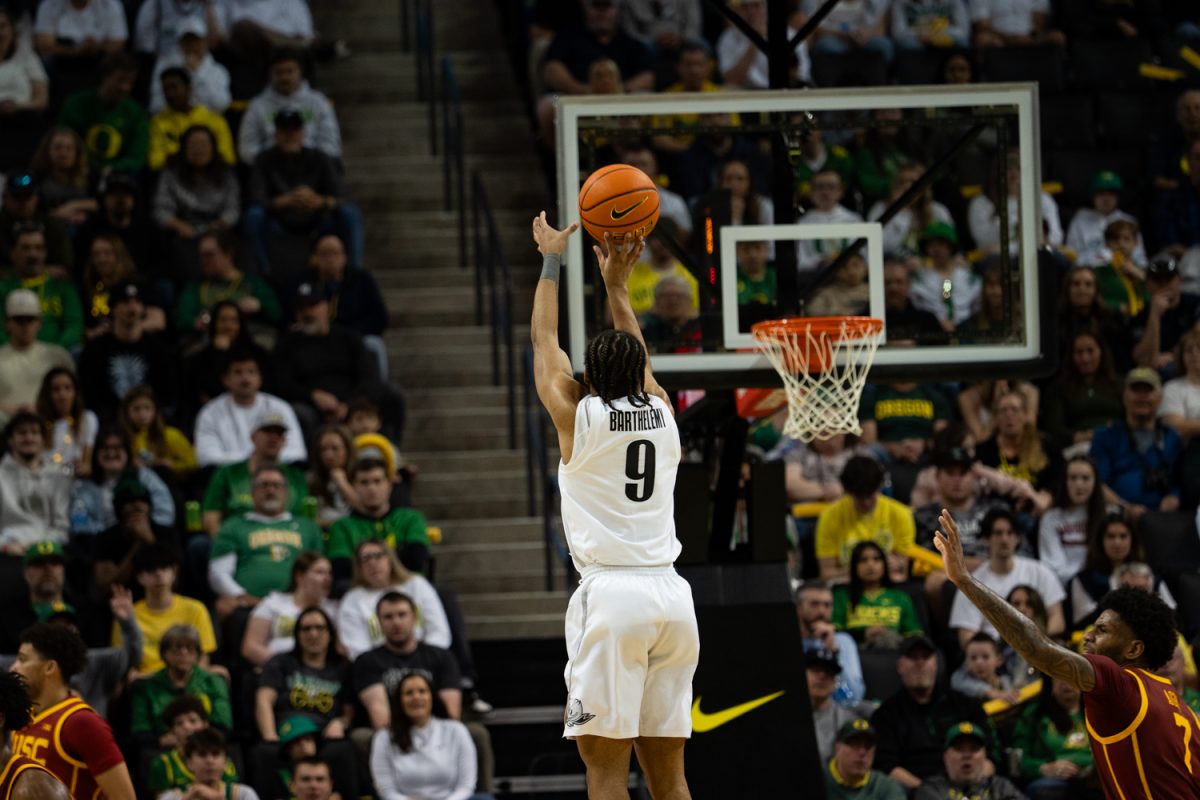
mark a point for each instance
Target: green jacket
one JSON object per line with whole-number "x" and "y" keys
{"x": 1040, "y": 742}
{"x": 117, "y": 137}
{"x": 153, "y": 694}
{"x": 201, "y": 295}
{"x": 62, "y": 313}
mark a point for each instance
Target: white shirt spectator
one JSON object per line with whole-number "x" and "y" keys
{"x": 210, "y": 83}
{"x": 1009, "y": 17}
{"x": 33, "y": 504}
{"x": 284, "y": 17}
{"x": 321, "y": 130}
{"x": 1083, "y": 604}
{"x": 811, "y": 252}
{"x": 898, "y": 234}
{"x": 913, "y": 18}
{"x": 156, "y": 28}
{"x": 1085, "y": 236}
{"x": 223, "y": 430}
{"x": 1181, "y": 398}
{"x": 65, "y": 446}
{"x": 102, "y": 20}
{"x": 646, "y": 20}
{"x": 1062, "y": 541}
{"x": 358, "y": 628}
{"x": 441, "y": 763}
{"x": 280, "y": 609}
{"x": 732, "y": 45}
{"x": 22, "y": 371}
{"x": 985, "y": 225}
{"x": 848, "y": 15}
{"x": 928, "y": 293}
{"x": 19, "y": 73}
{"x": 1026, "y": 572}
{"x": 675, "y": 208}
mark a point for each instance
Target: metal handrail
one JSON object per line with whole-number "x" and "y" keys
{"x": 424, "y": 61}
{"x": 493, "y": 276}
{"x": 537, "y": 474}
{"x": 453, "y": 175}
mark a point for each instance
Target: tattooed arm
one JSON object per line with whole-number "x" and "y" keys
{"x": 1015, "y": 628}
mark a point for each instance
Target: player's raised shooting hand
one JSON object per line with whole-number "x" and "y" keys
{"x": 948, "y": 544}
{"x": 550, "y": 240}
{"x": 618, "y": 258}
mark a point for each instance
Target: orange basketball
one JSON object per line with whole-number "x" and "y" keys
{"x": 618, "y": 199}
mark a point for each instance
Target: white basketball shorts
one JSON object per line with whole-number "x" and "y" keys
{"x": 632, "y": 649}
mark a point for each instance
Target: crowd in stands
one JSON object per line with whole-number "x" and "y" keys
{"x": 1063, "y": 488}
{"x": 205, "y": 529}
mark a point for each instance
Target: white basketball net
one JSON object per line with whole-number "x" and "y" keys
{"x": 823, "y": 370}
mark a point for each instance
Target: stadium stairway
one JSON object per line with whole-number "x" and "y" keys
{"x": 470, "y": 484}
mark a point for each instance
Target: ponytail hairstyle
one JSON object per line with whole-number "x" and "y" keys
{"x": 615, "y": 367}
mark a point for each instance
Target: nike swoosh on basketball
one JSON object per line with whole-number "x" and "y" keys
{"x": 621, "y": 214}
{"x": 703, "y": 723}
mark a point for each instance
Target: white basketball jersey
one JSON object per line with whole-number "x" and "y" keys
{"x": 618, "y": 492}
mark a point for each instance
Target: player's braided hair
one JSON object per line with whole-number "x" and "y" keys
{"x": 15, "y": 704}
{"x": 616, "y": 367}
{"x": 1150, "y": 619}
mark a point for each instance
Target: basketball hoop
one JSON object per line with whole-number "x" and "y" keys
{"x": 824, "y": 363}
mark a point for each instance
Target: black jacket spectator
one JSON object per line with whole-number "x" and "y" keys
{"x": 912, "y": 735}
{"x": 276, "y": 173}
{"x": 335, "y": 362}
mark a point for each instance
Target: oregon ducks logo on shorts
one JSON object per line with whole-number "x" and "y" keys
{"x": 574, "y": 715}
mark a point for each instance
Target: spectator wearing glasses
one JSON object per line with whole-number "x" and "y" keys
{"x": 24, "y": 361}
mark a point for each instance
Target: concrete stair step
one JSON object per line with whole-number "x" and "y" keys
{"x": 368, "y": 118}
{"x": 438, "y": 462}
{"x": 525, "y": 626}
{"x": 462, "y": 484}
{"x": 448, "y": 276}
{"x": 530, "y": 579}
{"x": 412, "y": 301}
{"x": 513, "y": 603}
{"x": 484, "y": 503}
{"x": 473, "y": 335}
{"x": 489, "y": 531}
{"x": 455, "y": 422}
{"x": 502, "y": 559}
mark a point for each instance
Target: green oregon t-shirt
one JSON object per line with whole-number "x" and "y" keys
{"x": 903, "y": 415}
{"x": 169, "y": 772}
{"x": 398, "y": 527}
{"x": 265, "y": 549}
{"x": 229, "y": 489}
{"x": 887, "y": 608}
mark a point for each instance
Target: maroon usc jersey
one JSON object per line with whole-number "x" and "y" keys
{"x": 73, "y": 743}
{"x": 1145, "y": 740}
{"x": 17, "y": 766}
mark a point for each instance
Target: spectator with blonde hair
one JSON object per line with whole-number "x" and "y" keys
{"x": 1019, "y": 450}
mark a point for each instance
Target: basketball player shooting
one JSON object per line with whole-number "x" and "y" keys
{"x": 632, "y": 641}
{"x": 1145, "y": 740}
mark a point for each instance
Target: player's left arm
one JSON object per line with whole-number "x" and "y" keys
{"x": 1014, "y": 627}
{"x": 33, "y": 784}
{"x": 555, "y": 381}
{"x": 617, "y": 261}
{"x": 115, "y": 783}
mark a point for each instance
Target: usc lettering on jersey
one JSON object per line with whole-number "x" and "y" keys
{"x": 70, "y": 740}
{"x": 618, "y": 491}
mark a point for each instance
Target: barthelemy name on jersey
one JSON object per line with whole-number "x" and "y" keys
{"x": 643, "y": 419}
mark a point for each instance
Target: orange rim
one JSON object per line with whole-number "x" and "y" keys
{"x": 816, "y": 337}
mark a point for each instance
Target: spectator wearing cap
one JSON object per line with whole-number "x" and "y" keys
{"x": 21, "y": 210}
{"x": 922, "y": 24}
{"x": 849, "y": 775}
{"x": 155, "y": 569}
{"x": 958, "y": 479}
{"x": 180, "y": 111}
{"x": 288, "y": 91}
{"x": 160, "y": 28}
{"x": 24, "y": 361}
{"x": 742, "y": 64}
{"x": 863, "y": 514}
{"x": 127, "y": 356}
{"x": 114, "y": 126}
{"x": 943, "y": 266}
{"x": 1169, "y": 314}
{"x": 296, "y": 189}
{"x": 230, "y": 490}
{"x": 43, "y": 572}
{"x": 966, "y": 770}
{"x": 814, "y": 612}
{"x": 115, "y": 550}
{"x": 322, "y": 367}
{"x": 221, "y": 279}
{"x": 355, "y": 301}
{"x": 1003, "y": 571}
{"x": 34, "y": 492}
{"x": 189, "y": 49}
{"x": 123, "y": 215}
{"x": 182, "y": 674}
{"x": 821, "y": 670}
{"x": 911, "y": 724}
{"x": 253, "y": 552}
{"x": 1136, "y": 456}
{"x": 226, "y": 425}
{"x": 1085, "y": 235}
